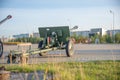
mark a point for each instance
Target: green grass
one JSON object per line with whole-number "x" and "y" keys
{"x": 95, "y": 70}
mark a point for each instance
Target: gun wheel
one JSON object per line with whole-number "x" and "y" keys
{"x": 1, "y": 48}
{"x": 69, "y": 48}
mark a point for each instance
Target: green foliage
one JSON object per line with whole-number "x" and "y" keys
{"x": 96, "y": 70}
{"x": 106, "y": 39}
{"x": 109, "y": 39}
{"x": 93, "y": 39}
{"x": 75, "y": 37}
{"x": 117, "y": 37}
{"x": 79, "y": 39}
{"x": 103, "y": 39}
{"x": 30, "y": 39}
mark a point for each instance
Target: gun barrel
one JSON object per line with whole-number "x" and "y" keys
{"x": 8, "y": 17}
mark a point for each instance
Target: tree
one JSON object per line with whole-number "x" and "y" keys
{"x": 109, "y": 39}
{"x": 117, "y": 37}
{"x": 30, "y": 39}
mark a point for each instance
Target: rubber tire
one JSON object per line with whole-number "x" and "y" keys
{"x": 1, "y": 48}
{"x": 69, "y": 48}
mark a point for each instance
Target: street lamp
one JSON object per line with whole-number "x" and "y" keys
{"x": 75, "y": 27}
{"x": 113, "y": 25}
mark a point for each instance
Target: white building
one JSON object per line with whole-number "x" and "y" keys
{"x": 27, "y": 35}
{"x": 113, "y": 32}
{"x": 36, "y": 35}
{"x": 99, "y": 31}
{"x": 80, "y": 33}
{"x": 90, "y": 33}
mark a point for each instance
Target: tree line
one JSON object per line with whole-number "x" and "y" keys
{"x": 102, "y": 39}
{"x": 32, "y": 40}
{"x": 78, "y": 39}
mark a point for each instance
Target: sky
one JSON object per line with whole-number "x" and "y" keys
{"x": 29, "y": 15}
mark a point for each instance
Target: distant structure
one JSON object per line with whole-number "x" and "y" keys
{"x": 80, "y": 33}
{"x": 113, "y": 32}
{"x": 36, "y": 34}
{"x": 26, "y": 35}
{"x": 99, "y": 31}
{"x": 77, "y": 32}
{"x": 92, "y": 32}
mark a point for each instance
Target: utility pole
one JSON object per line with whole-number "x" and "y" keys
{"x": 113, "y": 35}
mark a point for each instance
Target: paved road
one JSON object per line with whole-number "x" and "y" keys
{"x": 83, "y": 52}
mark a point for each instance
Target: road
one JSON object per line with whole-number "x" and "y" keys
{"x": 83, "y": 52}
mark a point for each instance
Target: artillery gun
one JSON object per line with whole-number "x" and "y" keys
{"x": 1, "y": 44}
{"x": 54, "y": 38}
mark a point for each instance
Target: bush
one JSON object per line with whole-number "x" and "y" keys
{"x": 117, "y": 37}
{"x": 30, "y": 39}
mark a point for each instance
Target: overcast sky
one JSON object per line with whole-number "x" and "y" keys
{"x": 28, "y": 15}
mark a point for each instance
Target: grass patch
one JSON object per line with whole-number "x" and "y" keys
{"x": 96, "y": 70}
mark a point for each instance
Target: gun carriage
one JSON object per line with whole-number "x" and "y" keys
{"x": 54, "y": 38}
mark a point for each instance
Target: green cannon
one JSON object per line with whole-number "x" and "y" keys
{"x": 54, "y": 38}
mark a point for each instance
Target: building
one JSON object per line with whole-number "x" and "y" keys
{"x": 92, "y": 32}
{"x": 27, "y": 35}
{"x": 36, "y": 35}
{"x": 22, "y": 36}
{"x": 113, "y": 32}
{"x": 80, "y": 33}
{"x": 99, "y": 31}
